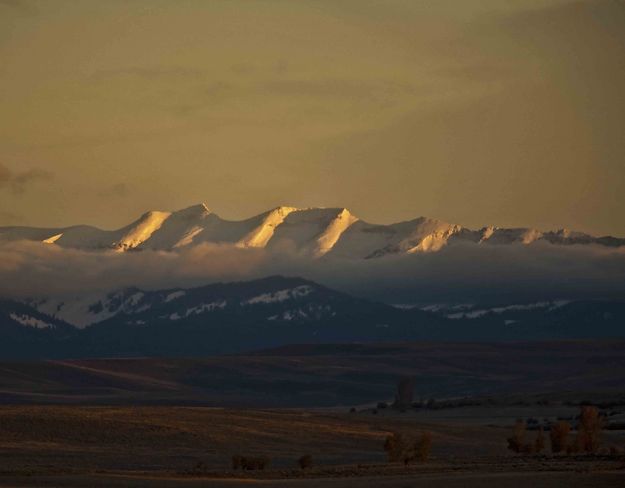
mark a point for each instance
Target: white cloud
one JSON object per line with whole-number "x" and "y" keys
{"x": 457, "y": 273}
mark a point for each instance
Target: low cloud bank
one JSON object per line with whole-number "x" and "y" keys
{"x": 458, "y": 273}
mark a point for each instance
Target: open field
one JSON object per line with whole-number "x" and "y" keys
{"x": 178, "y": 422}
{"x": 192, "y": 446}
{"x": 347, "y": 375}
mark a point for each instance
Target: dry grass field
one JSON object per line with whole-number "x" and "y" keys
{"x": 160, "y": 422}
{"x": 192, "y": 446}
{"x": 324, "y": 375}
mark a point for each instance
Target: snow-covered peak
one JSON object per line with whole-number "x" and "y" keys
{"x": 260, "y": 235}
{"x": 333, "y": 232}
{"x": 570, "y": 234}
{"x": 497, "y": 235}
{"x": 311, "y": 232}
{"x": 142, "y": 230}
{"x": 195, "y": 211}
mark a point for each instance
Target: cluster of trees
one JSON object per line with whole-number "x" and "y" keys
{"x": 399, "y": 447}
{"x": 403, "y": 448}
{"x": 586, "y": 440}
{"x": 404, "y": 400}
{"x": 588, "y": 433}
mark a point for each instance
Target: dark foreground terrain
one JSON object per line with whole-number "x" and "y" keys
{"x": 451, "y": 478}
{"x": 327, "y": 375}
{"x": 192, "y": 446}
{"x": 178, "y": 422}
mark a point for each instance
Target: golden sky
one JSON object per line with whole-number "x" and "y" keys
{"x": 473, "y": 111}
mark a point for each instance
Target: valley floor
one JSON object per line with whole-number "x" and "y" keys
{"x": 192, "y": 446}
{"x": 327, "y": 375}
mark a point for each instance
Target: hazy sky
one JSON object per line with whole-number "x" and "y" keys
{"x": 472, "y": 111}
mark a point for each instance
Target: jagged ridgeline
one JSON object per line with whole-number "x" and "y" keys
{"x": 315, "y": 232}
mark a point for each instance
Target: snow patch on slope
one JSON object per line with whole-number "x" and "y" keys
{"x": 188, "y": 237}
{"x": 280, "y": 296}
{"x": 82, "y": 311}
{"x": 474, "y": 314}
{"x": 206, "y": 307}
{"x": 53, "y": 239}
{"x": 29, "y": 321}
{"x": 174, "y": 295}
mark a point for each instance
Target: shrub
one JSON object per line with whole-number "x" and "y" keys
{"x": 236, "y": 462}
{"x": 305, "y": 462}
{"x": 589, "y": 429}
{"x": 516, "y": 443}
{"x": 394, "y": 447}
{"x": 559, "y": 436}
{"x": 406, "y": 449}
{"x": 424, "y": 446}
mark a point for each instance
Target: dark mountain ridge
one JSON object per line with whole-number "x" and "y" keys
{"x": 230, "y": 318}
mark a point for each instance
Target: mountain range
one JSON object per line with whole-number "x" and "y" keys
{"x": 225, "y": 318}
{"x": 314, "y": 232}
